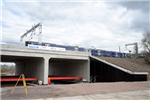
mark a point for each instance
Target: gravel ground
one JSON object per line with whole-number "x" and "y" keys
{"x": 69, "y": 90}
{"x": 134, "y": 65}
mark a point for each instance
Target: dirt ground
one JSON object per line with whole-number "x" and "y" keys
{"x": 68, "y": 90}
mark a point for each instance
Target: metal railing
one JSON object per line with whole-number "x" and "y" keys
{"x": 93, "y": 79}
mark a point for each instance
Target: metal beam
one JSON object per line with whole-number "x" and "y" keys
{"x": 136, "y": 46}
{"x": 131, "y": 44}
{"x": 33, "y": 29}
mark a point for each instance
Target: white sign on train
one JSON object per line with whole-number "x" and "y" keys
{"x": 34, "y": 46}
{"x": 46, "y": 48}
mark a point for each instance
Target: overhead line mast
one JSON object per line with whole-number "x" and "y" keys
{"x": 39, "y": 25}
{"x": 136, "y": 48}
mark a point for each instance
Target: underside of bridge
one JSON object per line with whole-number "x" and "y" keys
{"x": 69, "y": 68}
{"x": 103, "y": 72}
{"x": 41, "y": 68}
{"x": 34, "y": 67}
{"x": 29, "y": 66}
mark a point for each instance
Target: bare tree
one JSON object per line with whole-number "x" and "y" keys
{"x": 7, "y": 69}
{"x": 146, "y": 44}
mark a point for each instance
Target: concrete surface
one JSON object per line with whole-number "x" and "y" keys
{"x": 70, "y": 68}
{"x": 35, "y": 62}
{"x": 131, "y": 95}
{"x": 33, "y": 68}
{"x": 23, "y": 51}
{"x": 39, "y": 63}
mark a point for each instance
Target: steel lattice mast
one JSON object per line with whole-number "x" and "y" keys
{"x": 136, "y": 47}
{"x": 39, "y": 25}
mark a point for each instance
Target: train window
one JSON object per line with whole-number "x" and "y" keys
{"x": 70, "y": 48}
{"x": 80, "y": 49}
{"x": 96, "y": 51}
{"x": 48, "y": 45}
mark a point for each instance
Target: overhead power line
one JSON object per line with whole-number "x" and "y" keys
{"x": 14, "y": 23}
{"x": 58, "y": 31}
{"x": 62, "y": 32}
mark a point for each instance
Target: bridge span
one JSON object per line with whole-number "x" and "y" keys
{"x": 39, "y": 63}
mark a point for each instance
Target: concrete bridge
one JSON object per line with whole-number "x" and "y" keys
{"x": 40, "y": 63}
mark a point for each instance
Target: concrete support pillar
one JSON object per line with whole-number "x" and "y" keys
{"x": 88, "y": 70}
{"x": 45, "y": 70}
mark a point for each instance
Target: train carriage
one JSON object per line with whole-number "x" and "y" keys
{"x": 71, "y": 48}
{"x": 94, "y": 52}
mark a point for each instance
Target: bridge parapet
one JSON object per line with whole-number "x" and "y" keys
{"x": 24, "y": 49}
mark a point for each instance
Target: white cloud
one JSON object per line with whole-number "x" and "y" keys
{"x": 103, "y": 25}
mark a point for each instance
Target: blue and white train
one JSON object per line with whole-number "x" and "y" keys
{"x": 72, "y": 48}
{"x": 104, "y": 53}
{"x": 94, "y": 52}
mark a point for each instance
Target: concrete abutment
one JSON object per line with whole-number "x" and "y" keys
{"x": 42, "y": 67}
{"x": 34, "y": 68}
{"x": 69, "y": 67}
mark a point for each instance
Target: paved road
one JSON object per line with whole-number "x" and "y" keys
{"x": 131, "y": 95}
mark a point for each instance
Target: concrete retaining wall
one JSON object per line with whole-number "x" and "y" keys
{"x": 70, "y": 68}
{"x": 35, "y": 62}
{"x": 34, "y": 68}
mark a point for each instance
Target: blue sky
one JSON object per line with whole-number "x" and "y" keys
{"x": 104, "y": 25}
